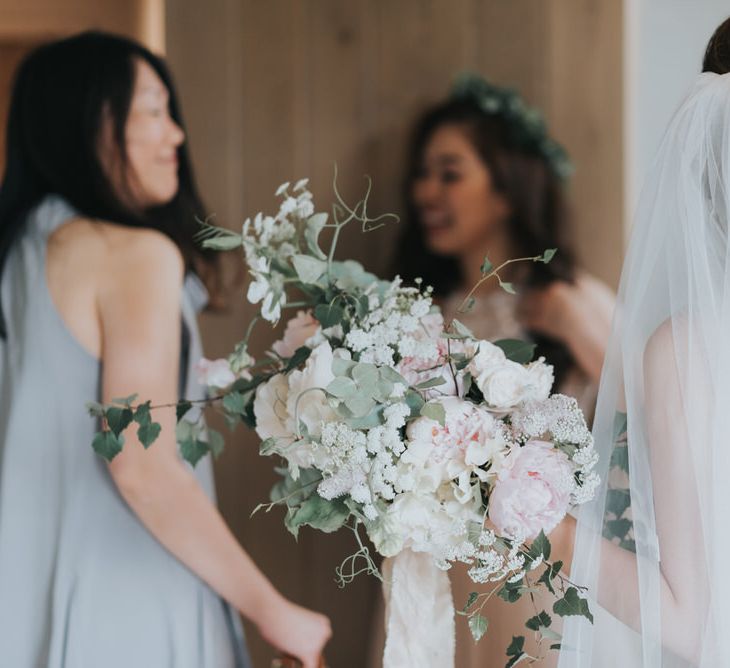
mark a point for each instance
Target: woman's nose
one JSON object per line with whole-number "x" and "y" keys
{"x": 426, "y": 191}
{"x": 177, "y": 135}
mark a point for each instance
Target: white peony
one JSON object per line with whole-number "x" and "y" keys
{"x": 504, "y": 386}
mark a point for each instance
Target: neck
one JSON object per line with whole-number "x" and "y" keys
{"x": 499, "y": 249}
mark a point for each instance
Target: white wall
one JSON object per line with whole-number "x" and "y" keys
{"x": 665, "y": 44}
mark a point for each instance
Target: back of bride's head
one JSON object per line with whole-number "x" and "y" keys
{"x": 717, "y": 55}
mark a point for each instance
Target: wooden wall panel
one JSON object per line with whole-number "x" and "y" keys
{"x": 281, "y": 89}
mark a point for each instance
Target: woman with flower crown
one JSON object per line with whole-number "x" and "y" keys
{"x": 130, "y": 564}
{"x": 485, "y": 179}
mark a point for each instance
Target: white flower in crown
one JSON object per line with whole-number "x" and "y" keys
{"x": 267, "y": 287}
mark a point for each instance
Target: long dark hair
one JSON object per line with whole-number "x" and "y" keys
{"x": 717, "y": 55}
{"x": 539, "y": 214}
{"x": 59, "y": 95}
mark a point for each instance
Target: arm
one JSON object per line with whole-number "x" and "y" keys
{"x": 139, "y": 308}
{"x": 577, "y": 314}
{"x": 683, "y": 578}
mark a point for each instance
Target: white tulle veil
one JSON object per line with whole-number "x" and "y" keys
{"x": 654, "y": 548}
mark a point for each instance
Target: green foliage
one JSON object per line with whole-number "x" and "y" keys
{"x": 540, "y": 547}
{"x": 508, "y": 287}
{"x": 478, "y": 625}
{"x": 511, "y": 591}
{"x": 315, "y": 224}
{"x": 486, "y": 267}
{"x": 540, "y": 620}
{"x": 118, "y": 419}
{"x": 329, "y": 315}
{"x": 319, "y": 513}
{"x": 516, "y": 651}
{"x": 473, "y": 596}
{"x": 572, "y": 604}
{"x": 107, "y": 444}
{"x": 183, "y": 406}
{"x": 435, "y": 412}
{"x": 516, "y": 350}
{"x": 549, "y": 574}
{"x": 308, "y": 268}
{"x": 548, "y": 255}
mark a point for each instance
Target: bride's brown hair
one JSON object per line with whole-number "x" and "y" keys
{"x": 717, "y": 55}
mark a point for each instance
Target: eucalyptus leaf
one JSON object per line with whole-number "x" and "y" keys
{"x": 360, "y": 405}
{"x": 365, "y": 374}
{"x": 342, "y": 367}
{"x": 342, "y": 387}
{"x": 415, "y": 402}
{"x": 435, "y": 412}
{"x": 431, "y": 382}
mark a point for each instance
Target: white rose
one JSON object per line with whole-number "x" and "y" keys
{"x": 541, "y": 380}
{"x": 269, "y": 407}
{"x": 215, "y": 373}
{"x": 504, "y": 386}
{"x": 488, "y": 357}
{"x": 310, "y": 405}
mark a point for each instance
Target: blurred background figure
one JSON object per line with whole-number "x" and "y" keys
{"x": 485, "y": 179}
{"x": 280, "y": 90}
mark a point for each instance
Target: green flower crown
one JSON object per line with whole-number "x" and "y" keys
{"x": 527, "y": 125}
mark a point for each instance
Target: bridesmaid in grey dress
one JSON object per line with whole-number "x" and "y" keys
{"x": 128, "y": 564}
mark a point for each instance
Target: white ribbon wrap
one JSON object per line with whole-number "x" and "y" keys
{"x": 419, "y": 613}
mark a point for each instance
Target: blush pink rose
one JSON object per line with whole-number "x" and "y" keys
{"x": 532, "y": 492}
{"x": 298, "y": 330}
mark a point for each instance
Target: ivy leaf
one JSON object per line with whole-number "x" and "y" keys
{"x": 107, "y": 444}
{"x": 192, "y": 450}
{"x": 511, "y": 591}
{"x": 540, "y": 547}
{"x": 620, "y": 424}
{"x": 329, "y": 315}
{"x": 215, "y": 442}
{"x": 516, "y": 651}
{"x": 435, "y": 412}
{"x": 548, "y": 255}
{"x": 549, "y": 574}
{"x": 183, "y": 406}
{"x": 516, "y": 350}
{"x": 540, "y": 620}
{"x": 572, "y": 604}
{"x": 619, "y": 528}
{"x": 95, "y": 409}
{"x": 118, "y": 419}
{"x": 234, "y": 403}
{"x": 617, "y": 501}
{"x": 308, "y": 268}
{"x": 478, "y": 626}
{"x": 486, "y": 267}
{"x": 620, "y": 458}
{"x": 126, "y": 401}
{"x": 473, "y": 596}
{"x": 148, "y": 433}
{"x": 142, "y": 415}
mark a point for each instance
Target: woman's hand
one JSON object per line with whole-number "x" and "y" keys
{"x": 577, "y": 314}
{"x": 295, "y": 631}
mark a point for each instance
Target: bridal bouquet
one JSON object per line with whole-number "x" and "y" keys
{"x": 440, "y": 447}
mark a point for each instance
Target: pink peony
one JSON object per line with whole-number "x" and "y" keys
{"x": 532, "y": 492}
{"x": 298, "y": 330}
{"x": 215, "y": 373}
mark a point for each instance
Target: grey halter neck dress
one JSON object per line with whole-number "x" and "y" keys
{"x": 82, "y": 583}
